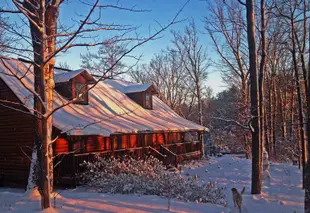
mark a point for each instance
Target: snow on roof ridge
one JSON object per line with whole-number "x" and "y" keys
{"x": 128, "y": 87}
{"x": 137, "y": 88}
{"x": 67, "y": 76}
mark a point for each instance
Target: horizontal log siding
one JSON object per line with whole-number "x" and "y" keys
{"x": 16, "y": 134}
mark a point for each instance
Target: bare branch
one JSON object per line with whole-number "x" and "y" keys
{"x": 74, "y": 35}
{"x": 233, "y": 121}
{"x": 241, "y": 2}
{"x": 9, "y": 11}
{"x": 174, "y": 21}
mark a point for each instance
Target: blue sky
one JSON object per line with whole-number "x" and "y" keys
{"x": 161, "y": 11}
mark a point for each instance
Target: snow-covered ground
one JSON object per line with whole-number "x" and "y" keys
{"x": 282, "y": 194}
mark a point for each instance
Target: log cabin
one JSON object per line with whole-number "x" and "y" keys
{"x": 114, "y": 118}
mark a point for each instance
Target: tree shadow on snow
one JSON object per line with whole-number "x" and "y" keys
{"x": 236, "y": 210}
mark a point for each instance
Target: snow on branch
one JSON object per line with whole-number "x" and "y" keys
{"x": 244, "y": 126}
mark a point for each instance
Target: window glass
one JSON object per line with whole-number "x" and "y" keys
{"x": 79, "y": 88}
{"x": 148, "y": 101}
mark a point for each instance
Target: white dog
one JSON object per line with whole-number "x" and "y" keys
{"x": 266, "y": 166}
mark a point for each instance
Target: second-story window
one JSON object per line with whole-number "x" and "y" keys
{"x": 148, "y": 101}
{"x": 79, "y": 92}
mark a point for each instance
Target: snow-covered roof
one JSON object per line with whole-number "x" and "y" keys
{"x": 129, "y": 87}
{"x": 109, "y": 110}
{"x": 137, "y": 88}
{"x": 62, "y": 76}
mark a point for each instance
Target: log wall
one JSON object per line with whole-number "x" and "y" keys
{"x": 16, "y": 139}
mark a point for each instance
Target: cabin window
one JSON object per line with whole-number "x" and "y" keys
{"x": 78, "y": 147}
{"x": 64, "y": 89}
{"x": 125, "y": 141}
{"x": 80, "y": 93}
{"x": 160, "y": 139}
{"x": 61, "y": 146}
{"x": 144, "y": 99}
{"x": 133, "y": 141}
{"x": 148, "y": 101}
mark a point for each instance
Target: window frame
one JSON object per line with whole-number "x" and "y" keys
{"x": 148, "y": 103}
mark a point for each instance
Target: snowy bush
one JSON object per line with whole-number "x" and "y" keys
{"x": 146, "y": 177}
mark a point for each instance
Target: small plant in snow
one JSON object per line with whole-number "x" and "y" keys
{"x": 147, "y": 177}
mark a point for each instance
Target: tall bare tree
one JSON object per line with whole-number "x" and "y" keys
{"x": 307, "y": 171}
{"x": 194, "y": 59}
{"x": 280, "y": 59}
{"x": 226, "y": 27}
{"x": 293, "y": 13}
{"x": 255, "y": 104}
{"x": 261, "y": 79}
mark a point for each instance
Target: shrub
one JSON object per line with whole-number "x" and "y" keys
{"x": 146, "y": 177}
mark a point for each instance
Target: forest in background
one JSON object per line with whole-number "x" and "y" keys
{"x": 180, "y": 72}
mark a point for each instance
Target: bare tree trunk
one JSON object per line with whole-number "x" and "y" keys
{"x": 45, "y": 164}
{"x": 267, "y": 127}
{"x": 301, "y": 46}
{"x": 261, "y": 81}
{"x": 200, "y": 116}
{"x": 51, "y": 30}
{"x": 244, "y": 92}
{"x": 275, "y": 106}
{"x": 307, "y": 172}
{"x": 243, "y": 111}
{"x": 44, "y": 44}
{"x": 300, "y": 101}
{"x": 256, "y": 146}
{"x": 292, "y": 115}
{"x": 271, "y": 112}
{"x": 199, "y": 103}
{"x": 284, "y": 115}
{"x": 42, "y": 135}
{"x": 281, "y": 112}
{"x": 299, "y": 147}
